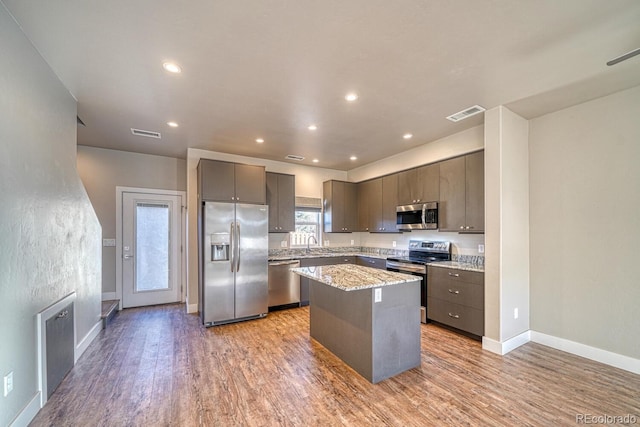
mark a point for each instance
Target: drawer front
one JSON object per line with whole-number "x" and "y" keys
{"x": 372, "y": 262}
{"x": 441, "y": 273}
{"x": 464, "y": 318}
{"x": 466, "y": 294}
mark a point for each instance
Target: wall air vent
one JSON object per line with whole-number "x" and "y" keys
{"x": 147, "y": 133}
{"x": 467, "y": 112}
{"x": 294, "y": 157}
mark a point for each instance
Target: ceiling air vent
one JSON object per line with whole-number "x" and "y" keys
{"x": 147, "y": 133}
{"x": 467, "y": 112}
{"x": 294, "y": 157}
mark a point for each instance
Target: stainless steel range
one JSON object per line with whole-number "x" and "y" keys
{"x": 421, "y": 253}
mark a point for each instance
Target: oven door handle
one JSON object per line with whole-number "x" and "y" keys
{"x": 407, "y": 268}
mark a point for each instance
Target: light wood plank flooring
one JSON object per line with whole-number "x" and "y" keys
{"x": 157, "y": 366}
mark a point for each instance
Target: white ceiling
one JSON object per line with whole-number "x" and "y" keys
{"x": 267, "y": 68}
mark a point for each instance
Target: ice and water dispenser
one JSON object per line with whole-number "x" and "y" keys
{"x": 220, "y": 247}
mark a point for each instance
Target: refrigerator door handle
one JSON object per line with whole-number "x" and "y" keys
{"x": 233, "y": 244}
{"x": 238, "y": 246}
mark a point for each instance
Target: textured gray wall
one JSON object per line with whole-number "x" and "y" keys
{"x": 49, "y": 232}
{"x": 584, "y": 223}
{"x": 103, "y": 170}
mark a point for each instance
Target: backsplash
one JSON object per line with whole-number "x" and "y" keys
{"x": 469, "y": 259}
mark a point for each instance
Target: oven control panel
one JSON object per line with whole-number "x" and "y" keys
{"x": 429, "y": 246}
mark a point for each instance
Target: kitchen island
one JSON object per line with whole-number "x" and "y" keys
{"x": 369, "y": 318}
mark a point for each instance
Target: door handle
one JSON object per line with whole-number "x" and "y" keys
{"x": 128, "y": 257}
{"x": 238, "y": 237}
{"x": 233, "y": 245}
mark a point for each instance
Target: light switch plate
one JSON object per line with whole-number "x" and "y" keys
{"x": 326, "y": 243}
{"x": 283, "y": 244}
{"x": 393, "y": 243}
{"x": 8, "y": 383}
{"x": 108, "y": 242}
{"x": 377, "y": 295}
{"x": 481, "y": 249}
{"x": 351, "y": 242}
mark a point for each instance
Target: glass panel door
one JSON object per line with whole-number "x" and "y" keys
{"x": 152, "y": 246}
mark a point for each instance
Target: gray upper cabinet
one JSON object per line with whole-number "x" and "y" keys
{"x": 231, "y": 182}
{"x": 282, "y": 202}
{"x": 377, "y": 201}
{"x": 419, "y": 185}
{"x": 461, "y": 205}
{"x": 340, "y": 205}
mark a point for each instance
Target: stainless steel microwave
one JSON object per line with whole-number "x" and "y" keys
{"x": 423, "y": 216}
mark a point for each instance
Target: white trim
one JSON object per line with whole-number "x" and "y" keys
{"x": 28, "y": 413}
{"x": 86, "y": 341}
{"x": 108, "y": 296}
{"x": 192, "y": 308}
{"x": 505, "y": 347}
{"x": 603, "y": 356}
{"x": 41, "y": 324}
{"x": 183, "y": 230}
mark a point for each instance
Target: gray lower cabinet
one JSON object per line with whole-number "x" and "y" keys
{"x": 456, "y": 298}
{"x": 310, "y": 262}
{"x": 371, "y": 262}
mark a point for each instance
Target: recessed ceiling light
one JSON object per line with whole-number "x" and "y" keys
{"x": 351, "y": 97}
{"x": 407, "y": 136}
{"x": 259, "y": 140}
{"x": 312, "y": 127}
{"x": 315, "y": 160}
{"x": 353, "y": 158}
{"x": 172, "y": 67}
{"x": 172, "y": 124}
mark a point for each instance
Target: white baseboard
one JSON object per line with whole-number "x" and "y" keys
{"x": 192, "y": 308}
{"x": 108, "y": 296}
{"x": 603, "y": 356}
{"x": 28, "y": 413}
{"x": 86, "y": 341}
{"x": 505, "y": 347}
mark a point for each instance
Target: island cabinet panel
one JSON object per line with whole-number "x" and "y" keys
{"x": 456, "y": 298}
{"x": 461, "y": 205}
{"x": 282, "y": 202}
{"x": 377, "y": 339}
{"x": 231, "y": 182}
{"x": 340, "y": 206}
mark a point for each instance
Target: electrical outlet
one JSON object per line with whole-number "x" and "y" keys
{"x": 352, "y": 242}
{"x": 8, "y": 383}
{"x": 481, "y": 249}
{"x": 377, "y": 295}
{"x": 393, "y": 243}
{"x": 283, "y": 244}
{"x": 515, "y": 313}
{"x": 326, "y": 243}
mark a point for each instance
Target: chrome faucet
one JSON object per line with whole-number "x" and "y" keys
{"x": 309, "y": 241}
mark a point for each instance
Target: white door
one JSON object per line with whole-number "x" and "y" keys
{"x": 151, "y": 247}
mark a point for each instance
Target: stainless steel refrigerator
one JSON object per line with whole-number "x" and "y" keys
{"x": 234, "y": 283}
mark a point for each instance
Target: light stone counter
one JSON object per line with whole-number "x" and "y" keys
{"x": 465, "y": 266}
{"x": 303, "y": 255}
{"x": 349, "y": 277}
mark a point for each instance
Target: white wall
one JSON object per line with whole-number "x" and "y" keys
{"x": 103, "y": 170}
{"x": 585, "y": 223}
{"x": 308, "y": 184}
{"x": 49, "y": 232}
{"x": 454, "y": 145}
{"x": 506, "y": 224}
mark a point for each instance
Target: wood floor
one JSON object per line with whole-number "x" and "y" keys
{"x": 157, "y": 367}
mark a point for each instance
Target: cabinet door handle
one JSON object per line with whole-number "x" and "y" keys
{"x": 455, "y": 316}
{"x": 451, "y": 291}
{"x": 454, "y": 274}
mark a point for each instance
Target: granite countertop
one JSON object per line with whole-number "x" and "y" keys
{"x": 466, "y": 266}
{"x": 349, "y": 277}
